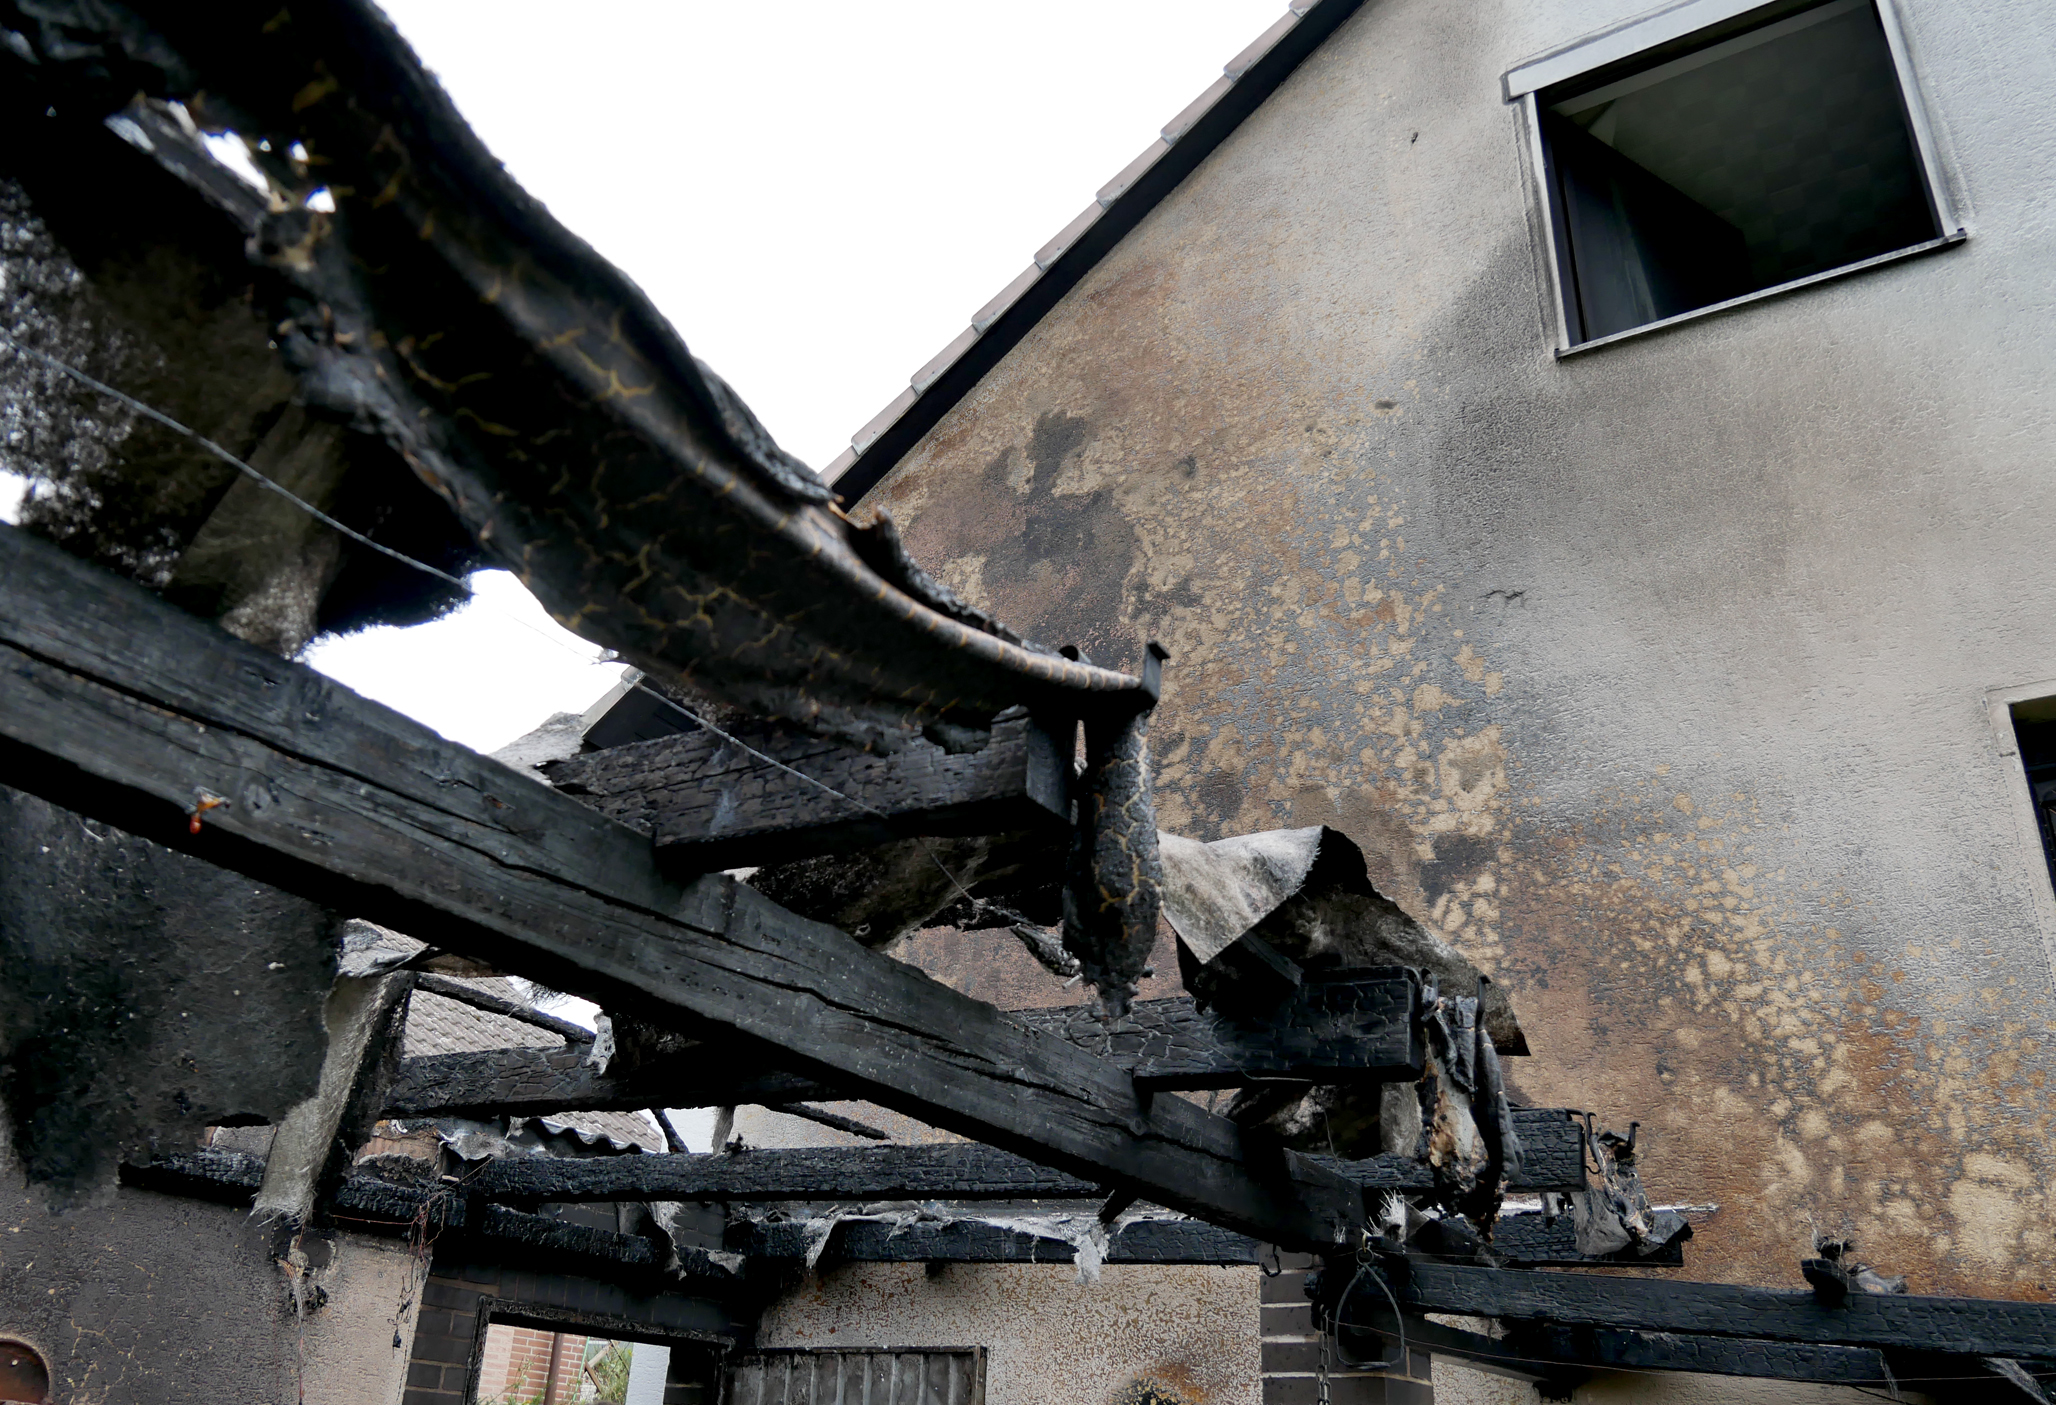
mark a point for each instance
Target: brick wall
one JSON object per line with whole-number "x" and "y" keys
{"x": 516, "y": 1365}
{"x": 1292, "y": 1353}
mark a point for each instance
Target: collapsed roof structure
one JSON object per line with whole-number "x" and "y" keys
{"x": 187, "y": 802}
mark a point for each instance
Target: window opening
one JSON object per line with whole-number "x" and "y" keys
{"x": 2034, "y": 727}
{"x": 1752, "y": 155}
{"x": 544, "y": 1356}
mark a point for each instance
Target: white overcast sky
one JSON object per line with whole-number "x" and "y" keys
{"x": 818, "y": 195}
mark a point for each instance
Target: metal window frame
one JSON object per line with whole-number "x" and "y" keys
{"x": 1522, "y": 85}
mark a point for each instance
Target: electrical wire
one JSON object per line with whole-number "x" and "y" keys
{"x": 157, "y": 416}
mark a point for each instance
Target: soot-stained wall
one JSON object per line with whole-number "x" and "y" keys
{"x": 152, "y": 1299}
{"x": 1655, "y": 677}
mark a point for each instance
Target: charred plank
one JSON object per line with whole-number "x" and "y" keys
{"x": 1341, "y": 1031}
{"x": 538, "y": 1082}
{"x": 709, "y": 803}
{"x": 1530, "y": 1351}
{"x": 1973, "y": 1326}
{"x": 954, "y": 1171}
{"x": 122, "y": 707}
{"x": 1552, "y": 1158}
{"x": 1362, "y": 1028}
{"x": 370, "y": 1202}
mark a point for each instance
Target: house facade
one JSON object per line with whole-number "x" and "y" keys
{"x": 1674, "y": 660}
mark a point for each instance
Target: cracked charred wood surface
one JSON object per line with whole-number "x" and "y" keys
{"x": 232, "y": 1177}
{"x": 1113, "y": 875}
{"x": 1552, "y": 1158}
{"x": 1359, "y": 1030}
{"x": 949, "y": 1171}
{"x": 122, "y": 707}
{"x": 1533, "y": 1352}
{"x": 708, "y": 804}
{"x": 538, "y": 1082}
{"x": 1972, "y": 1326}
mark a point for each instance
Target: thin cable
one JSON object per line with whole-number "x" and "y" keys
{"x": 159, "y": 417}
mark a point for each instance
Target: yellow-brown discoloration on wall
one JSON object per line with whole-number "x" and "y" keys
{"x": 1651, "y": 678}
{"x": 1050, "y": 1339}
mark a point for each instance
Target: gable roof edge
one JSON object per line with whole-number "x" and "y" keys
{"x": 1187, "y": 140}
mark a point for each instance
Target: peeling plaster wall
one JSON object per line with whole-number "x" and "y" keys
{"x": 1052, "y": 1341}
{"x": 1654, "y": 677}
{"x": 157, "y": 1300}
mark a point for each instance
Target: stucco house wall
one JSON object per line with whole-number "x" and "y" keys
{"x": 1657, "y": 676}
{"x": 159, "y": 1300}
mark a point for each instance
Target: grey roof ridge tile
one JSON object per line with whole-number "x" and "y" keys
{"x": 1133, "y": 172}
{"x": 1199, "y": 107}
{"x": 882, "y": 421}
{"x": 1263, "y": 44}
{"x": 1067, "y": 236}
{"x": 1006, "y": 297}
{"x": 842, "y": 463}
{"x": 1055, "y": 249}
{"x": 943, "y": 360}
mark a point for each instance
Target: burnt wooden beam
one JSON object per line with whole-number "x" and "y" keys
{"x": 708, "y": 803}
{"x": 949, "y": 1171}
{"x": 540, "y": 1082}
{"x": 369, "y": 1202}
{"x": 1364, "y": 1029}
{"x": 971, "y": 1240}
{"x": 1368, "y": 1036}
{"x": 117, "y": 705}
{"x": 1960, "y": 1326}
{"x": 1552, "y": 1158}
{"x": 820, "y": 1174}
{"x": 1537, "y": 1352}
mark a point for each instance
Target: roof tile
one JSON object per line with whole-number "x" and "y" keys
{"x": 1008, "y": 296}
{"x": 868, "y": 435}
{"x": 1133, "y": 172}
{"x": 843, "y": 463}
{"x": 1246, "y": 60}
{"x": 932, "y": 372}
{"x": 1199, "y": 107}
{"x": 1067, "y": 236}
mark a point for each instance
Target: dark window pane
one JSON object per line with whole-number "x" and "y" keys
{"x": 1770, "y": 155}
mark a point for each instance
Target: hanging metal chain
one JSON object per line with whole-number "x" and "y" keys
{"x": 1321, "y": 1368}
